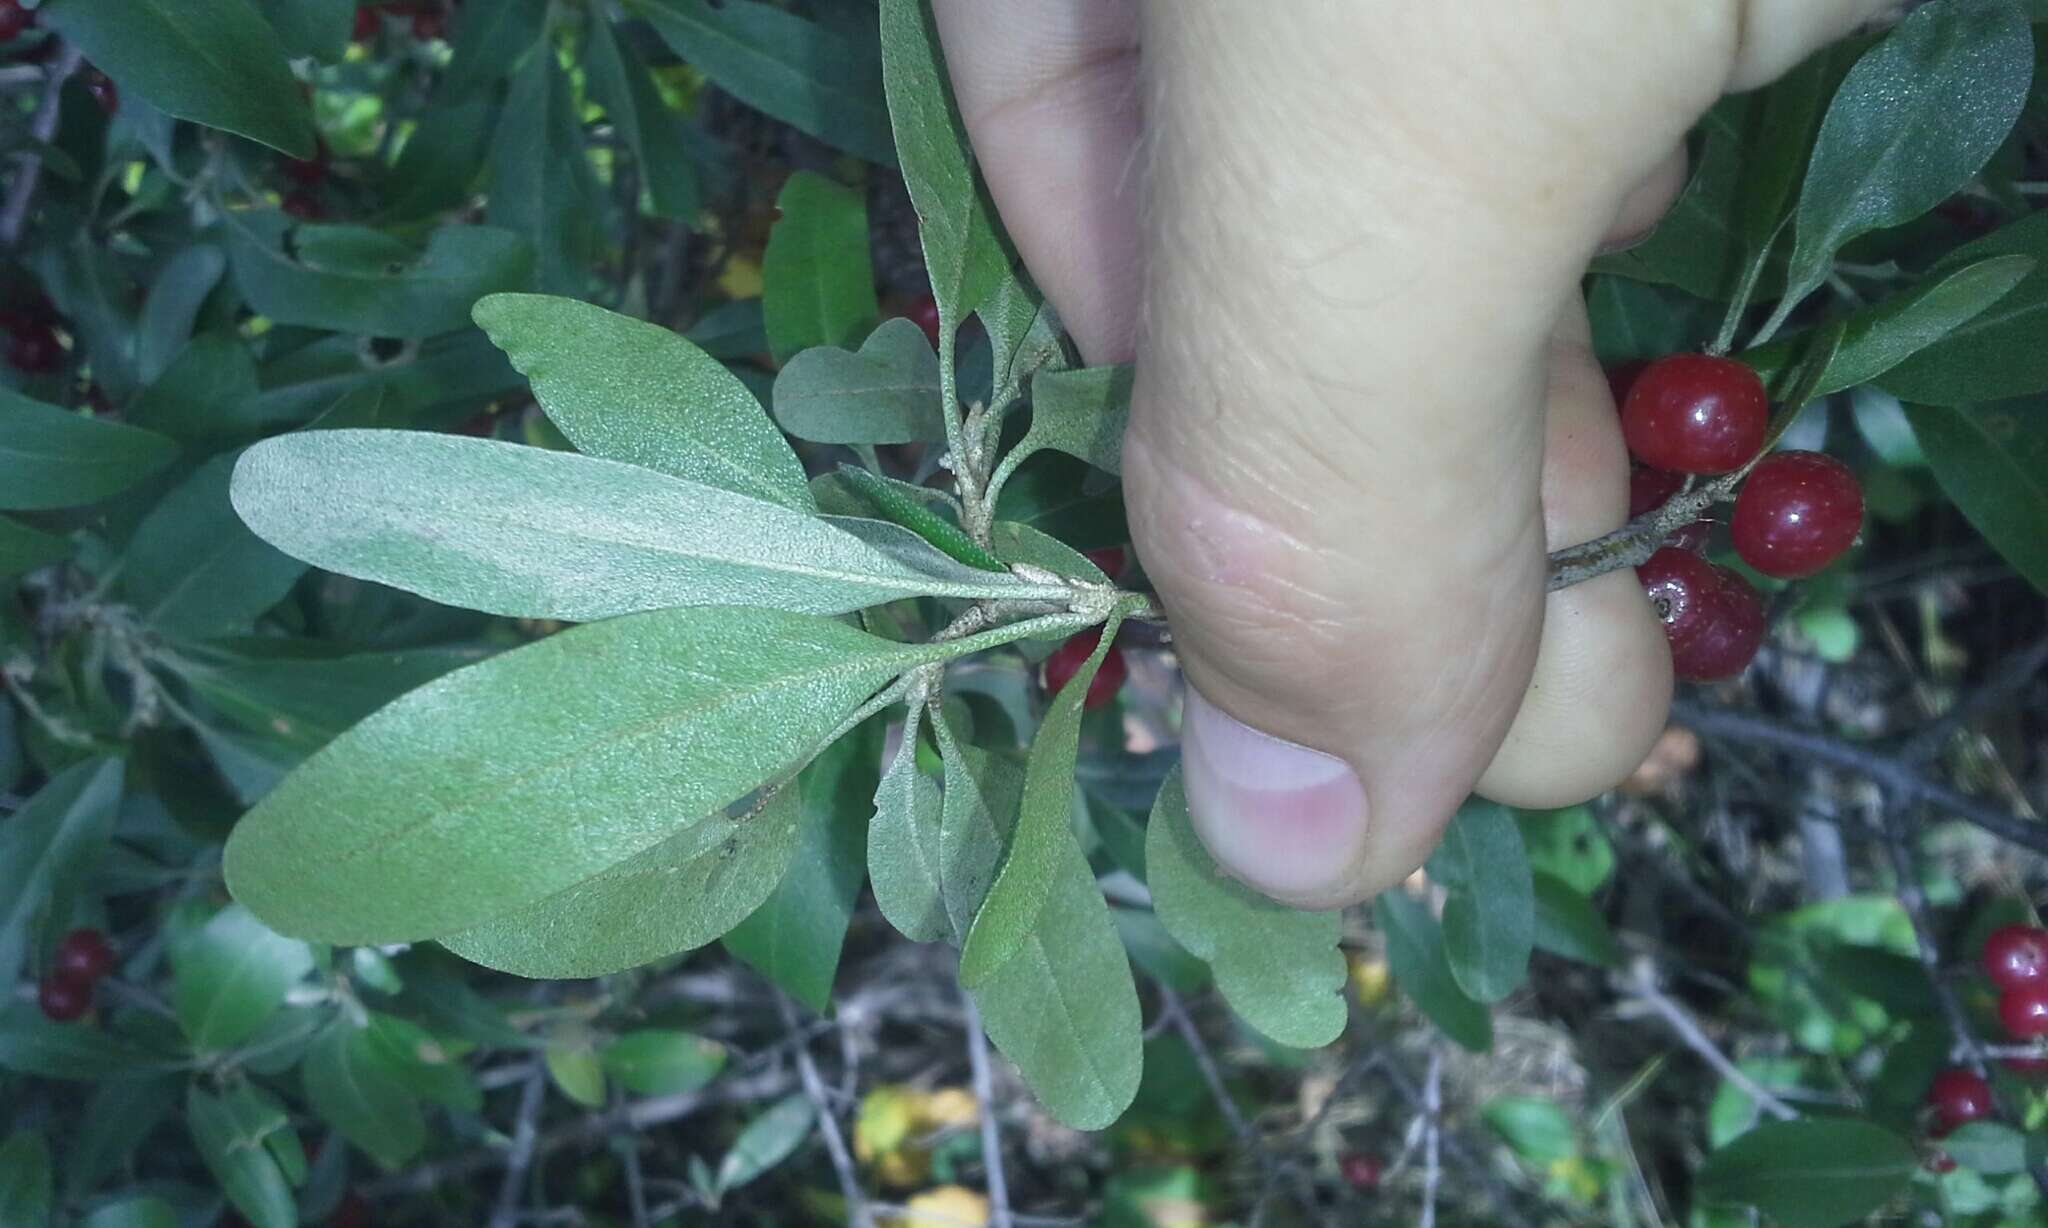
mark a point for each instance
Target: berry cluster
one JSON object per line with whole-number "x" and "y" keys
{"x": 83, "y": 958}
{"x": 1700, "y": 415}
{"x": 2016, "y": 960}
{"x": 31, "y": 328}
{"x": 1068, "y": 658}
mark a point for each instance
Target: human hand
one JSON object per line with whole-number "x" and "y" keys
{"x": 1344, "y": 242}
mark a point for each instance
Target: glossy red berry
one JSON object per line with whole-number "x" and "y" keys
{"x": 1360, "y": 1171}
{"x": 2024, "y": 1011}
{"x": 366, "y": 24}
{"x": 924, "y": 312}
{"x": 1068, "y": 658}
{"x": 1712, "y": 617}
{"x": 2016, "y": 955}
{"x": 303, "y": 205}
{"x": 1957, "y": 1096}
{"x": 84, "y": 955}
{"x": 1109, "y": 560}
{"x": 63, "y": 998}
{"x": 1695, "y": 413}
{"x": 1650, "y": 488}
{"x": 1796, "y": 513}
{"x": 14, "y": 19}
{"x": 36, "y": 351}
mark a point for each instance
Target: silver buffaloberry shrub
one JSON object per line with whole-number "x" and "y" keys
{"x": 556, "y": 670}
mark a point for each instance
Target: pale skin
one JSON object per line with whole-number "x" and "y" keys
{"x": 1343, "y": 241}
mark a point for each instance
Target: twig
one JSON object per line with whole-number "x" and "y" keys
{"x": 1900, "y": 780}
{"x": 1644, "y": 985}
{"x": 636, "y": 1181}
{"x": 857, "y": 1213}
{"x": 21, "y": 193}
{"x": 2013, "y": 677}
{"x": 1206, "y": 1064}
{"x": 1432, "y": 1117}
{"x": 1460, "y": 1155}
{"x": 524, "y": 1139}
{"x": 991, "y": 1133}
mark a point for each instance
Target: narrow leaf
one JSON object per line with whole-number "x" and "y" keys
{"x": 1993, "y": 461}
{"x": 355, "y": 280}
{"x": 193, "y": 570}
{"x": 51, "y": 457}
{"x": 357, "y": 1090}
{"x": 1567, "y": 924}
{"x": 1489, "y": 919}
{"x": 1993, "y": 355}
{"x": 892, "y": 500}
{"x": 57, "y": 836}
{"x": 1082, "y": 413}
{"x": 26, "y": 1185}
{"x": 818, "y": 281}
{"x": 662, "y": 1061}
{"x": 230, "y": 1131}
{"x": 24, "y": 549}
{"x": 978, "y": 814}
{"x": 767, "y": 1140}
{"x": 903, "y": 844}
{"x": 1415, "y": 955}
{"x": 1812, "y": 1173}
{"x": 231, "y": 975}
{"x": 646, "y": 123}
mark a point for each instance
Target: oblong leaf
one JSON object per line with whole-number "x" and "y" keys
{"x": 1996, "y": 354}
{"x": 903, "y": 845}
{"x": 675, "y": 897}
{"x": 1415, "y": 955}
{"x": 355, "y": 280}
{"x": 232, "y": 975}
{"x": 48, "y": 845}
{"x": 1993, "y": 461}
{"x": 818, "y": 281}
{"x": 1277, "y": 966}
{"x": 1489, "y": 919}
{"x": 24, "y": 549}
{"x": 501, "y": 784}
{"x": 626, "y": 390}
{"x": 214, "y": 62}
{"x": 1081, "y": 412}
{"x": 230, "y": 1131}
{"x": 531, "y": 533}
{"x": 51, "y": 457}
{"x": 1811, "y": 1173}
{"x": 888, "y": 392}
{"x": 193, "y": 570}
{"x": 357, "y": 1089}
{"x": 1567, "y": 924}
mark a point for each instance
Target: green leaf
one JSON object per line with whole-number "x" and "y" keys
{"x": 489, "y": 42}
{"x": 976, "y": 819}
{"x": 774, "y": 61}
{"x": 818, "y": 281}
{"x": 317, "y": 28}
{"x": 1045, "y": 832}
{"x": 1993, "y": 355}
{"x": 1993, "y": 461}
{"x": 903, "y": 844}
{"x": 232, "y": 975}
{"x": 676, "y": 896}
{"x": 1537, "y": 1127}
{"x": 1812, "y": 1173}
{"x": 207, "y": 393}
{"x": 175, "y": 298}
{"x": 1489, "y": 921}
{"x": 1994, "y": 1149}
{"x": 51, "y": 457}
{"x": 649, "y": 126}
{"x": 1277, "y": 966}
{"x": 1916, "y": 118}
{"x": 1052, "y": 494}
{"x": 625, "y": 390}
{"x": 140, "y": 1212}
{"x": 214, "y": 62}
{"x": 542, "y": 187}
{"x": 306, "y": 701}
{"x": 767, "y": 1141}
{"x": 231, "y": 1131}
{"x": 1696, "y": 245}
{"x": 1018, "y": 543}
{"x": 355, "y": 1087}
{"x": 899, "y": 502}
{"x": 56, "y": 837}
{"x": 1415, "y": 955}
{"x": 26, "y": 1195}
{"x": 1157, "y": 954}
{"x": 439, "y": 165}
{"x": 1568, "y": 844}
{"x": 577, "y": 1072}
{"x": 117, "y": 1117}
{"x": 1025, "y": 337}
{"x": 33, "y": 1045}
{"x": 192, "y": 570}
{"x": 1879, "y": 338}
{"x": 24, "y": 549}
{"x": 1082, "y": 413}
{"x": 1064, "y": 1007}
{"x": 531, "y": 533}
{"x": 1567, "y": 924}
{"x": 355, "y": 280}
{"x": 794, "y": 938}
{"x": 663, "y": 1061}
{"x": 886, "y": 393}
{"x": 956, "y": 226}
{"x": 497, "y": 786}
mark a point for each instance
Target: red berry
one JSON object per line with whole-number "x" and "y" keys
{"x": 366, "y": 24}
{"x": 309, "y": 172}
{"x": 924, "y": 312}
{"x": 1712, "y": 617}
{"x": 1691, "y": 537}
{"x": 14, "y": 19}
{"x": 1360, "y": 1171}
{"x": 428, "y": 24}
{"x": 1109, "y": 560}
{"x": 1068, "y": 658}
{"x": 2016, "y": 955}
{"x": 2027, "y": 1067}
{"x": 84, "y": 955}
{"x": 1796, "y": 513}
{"x": 63, "y": 998}
{"x": 1622, "y": 376}
{"x": 2024, "y": 1011}
{"x": 1650, "y": 488}
{"x": 1941, "y": 1162}
{"x": 1957, "y": 1096}
{"x": 303, "y": 205}
{"x": 1695, "y": 413}
{"x": 37, "y": 351}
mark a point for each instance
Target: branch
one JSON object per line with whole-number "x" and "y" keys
{"x": 21, "y": 193}
{"x": 1432, "y": 1116}
{"x": 2013, "y": 677}
{"x": 991, "y": 1134}
{"x": 1898, "y": 778}
{"x": 857, "y": 1214}
{"x": 524, "y": 1140}
{"x": 1644, "y": 985}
